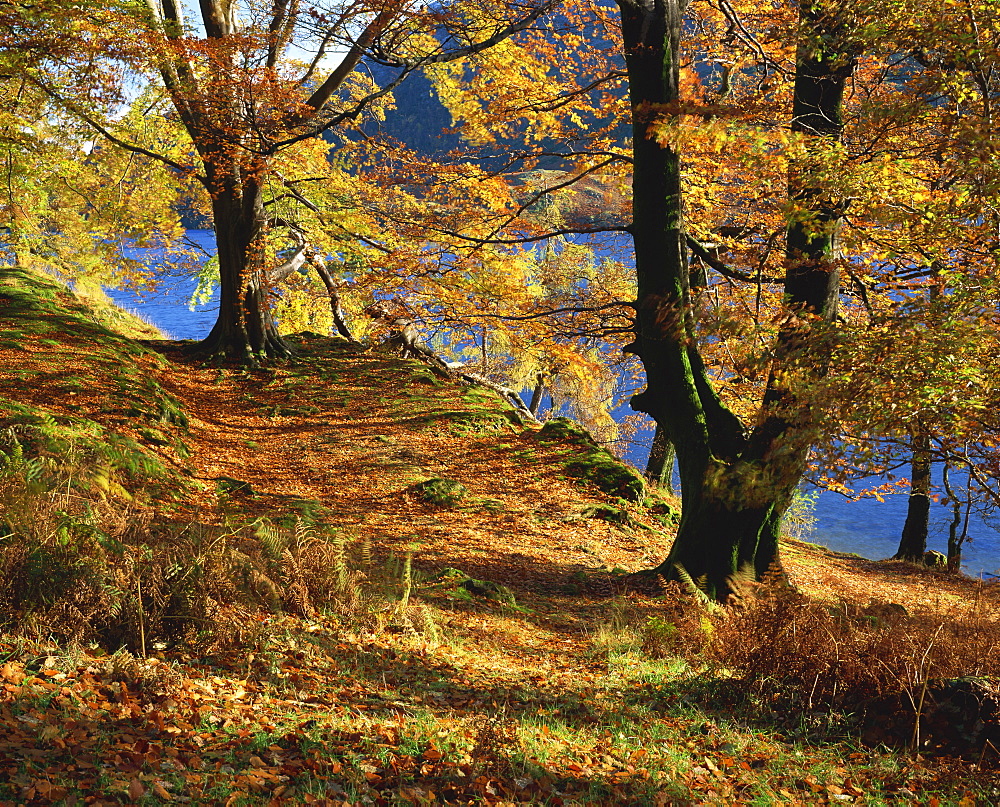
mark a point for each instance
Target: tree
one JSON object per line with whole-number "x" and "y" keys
{"x": 65, "y": 202}
{"x": 913, "y": 541}
{"x": 735, "y": 483}
{"x": 660, "y": 465}
{"x": 925, "y": 266}
{"x": 243, "y": 97}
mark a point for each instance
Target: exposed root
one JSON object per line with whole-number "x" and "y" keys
{"x": 239, "y": 350}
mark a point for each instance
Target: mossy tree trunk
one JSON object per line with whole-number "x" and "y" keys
{"x": 735, "y": 482}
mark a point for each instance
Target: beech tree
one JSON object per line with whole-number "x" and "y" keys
{"x": 250, "y": 81}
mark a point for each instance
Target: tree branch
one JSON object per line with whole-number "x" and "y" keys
{"x": 726, "y": 271}
{"x": 105, "y": 133}
{"x": 453, "y": 54}
{"x": 354, "y": 55}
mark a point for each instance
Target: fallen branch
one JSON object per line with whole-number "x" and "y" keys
{"x": 404, "y": 335}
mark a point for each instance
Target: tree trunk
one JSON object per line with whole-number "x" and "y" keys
{"x": 678, "y": 393}
{"x": 956, "y": 538}
{"x": 913, "y": 542}
{"x": 538, "y": 393}
{"x": 660, "y": 465}
{"x": 734, "y": 488}
{"x": 245, "y": 330}
{"x": 336, "y": 310}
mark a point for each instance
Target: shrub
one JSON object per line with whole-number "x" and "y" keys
{"x": 843, "y": 654}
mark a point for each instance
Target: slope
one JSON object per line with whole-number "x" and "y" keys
{"x": 347, "y": 580}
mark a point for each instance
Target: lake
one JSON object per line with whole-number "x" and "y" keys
{"x": 867, "y": 527}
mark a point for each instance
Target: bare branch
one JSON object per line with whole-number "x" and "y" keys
{"x": 569, "y": 309}
{"x": 726, "y": 271}
{"x": 106, "y": 133}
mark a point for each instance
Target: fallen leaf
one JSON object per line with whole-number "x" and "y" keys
{"x": 136, "y": 790}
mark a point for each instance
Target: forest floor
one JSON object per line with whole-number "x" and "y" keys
{"x": 484, "y": 651}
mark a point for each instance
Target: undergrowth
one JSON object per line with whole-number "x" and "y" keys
{"x": 826, "y": 671}
{"x": 81, "y": 564}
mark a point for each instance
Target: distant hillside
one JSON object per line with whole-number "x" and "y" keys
{"x": 419, "y": 120}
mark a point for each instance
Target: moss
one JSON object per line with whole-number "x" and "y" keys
{"x": 443, "y": 492}
{"x": 662, "y": 510}
{"x": 425, "y": 377}
{"x": 228, "y": 486}
{"x": 458, "y": 585}
{"x": 593, "y": 463}
{"x": 609, "y": 513}
{"x": 609, "y": 475}
{"x": 566, "y": 431}
{"x": 489, "y": 590}
{"x": 464, "y": 423}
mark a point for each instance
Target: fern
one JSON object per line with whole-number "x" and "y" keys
{"x": 303, "y": 534}
{"x": 742, "y": 581}
{"x": 697, "y": 591}
{"x": 296, "y": 589}
{"x": 12, "y": 460}
{"x": 407, "y": 581}
{"x": 339, "y": 547}
{"x": 48, "y": 426}
{"x": 274, "y": 541}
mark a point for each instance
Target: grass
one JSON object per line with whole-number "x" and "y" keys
{"x": 298, "y": 628}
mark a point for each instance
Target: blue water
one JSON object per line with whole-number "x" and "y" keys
{"x": 867, "y": 527}
{"x": 166, "y": 306}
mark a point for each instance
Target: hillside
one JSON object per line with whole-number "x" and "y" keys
{"x": 344, "y": 579}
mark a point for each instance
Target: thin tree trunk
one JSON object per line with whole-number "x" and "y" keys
{"x": 537, "y": 394}
{"x": 956, "y": 539}
{"x": 334, "y": 294}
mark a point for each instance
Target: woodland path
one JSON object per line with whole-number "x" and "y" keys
{"x": 353, "y": 429}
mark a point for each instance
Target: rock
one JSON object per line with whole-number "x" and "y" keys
{"x": 605, "y": 512}
{"x": 229, "y": 486}
{"x": 488, "y": 590}
{"x": 935, "y": 560}
{"x": 959, "y": 717}
{"x": 594, "y": 463}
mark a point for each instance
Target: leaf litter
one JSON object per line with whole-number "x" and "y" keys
{"x": 511, "y": 702}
